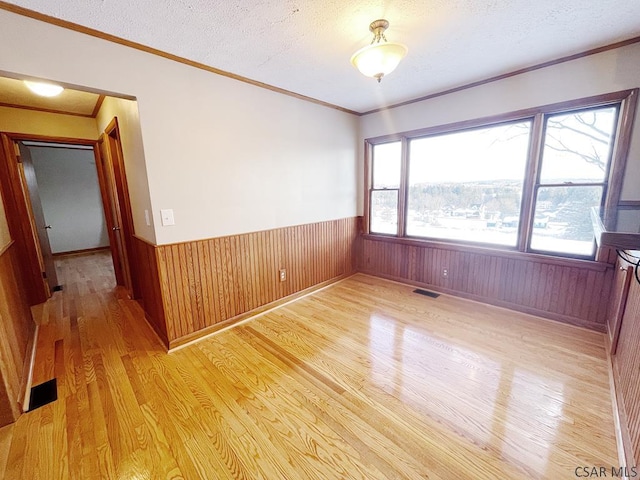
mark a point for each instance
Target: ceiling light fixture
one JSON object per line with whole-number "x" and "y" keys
{"x": 44, "y": 89}
{"x": 378, "y": 59}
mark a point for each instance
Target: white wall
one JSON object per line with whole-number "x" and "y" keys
{"x": 606, "y": 72}
{"x": 227, "y": 156}
{"x": 70, "y": 197}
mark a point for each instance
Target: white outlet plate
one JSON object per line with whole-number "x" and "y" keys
{"x": 147, "y": 219}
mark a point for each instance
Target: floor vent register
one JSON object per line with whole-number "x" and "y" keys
{"x": 426, "y": 293}
{"x": 43, "y": 394}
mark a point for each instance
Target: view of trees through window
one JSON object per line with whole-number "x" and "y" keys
{"x": 468, "y": 185}
{"x": 573, "y": 177}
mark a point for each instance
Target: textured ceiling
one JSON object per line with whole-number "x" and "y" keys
{"x": 15, "y": 93}
{"x": 305, "y": 45}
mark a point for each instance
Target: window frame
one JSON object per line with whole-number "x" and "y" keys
{"x": 604, "y": 184}
{"x": 372, "y": 187}
{"x": 624, "y": 100}
{"x": 467, "y": 129}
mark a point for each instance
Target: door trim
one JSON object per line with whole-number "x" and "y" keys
{"x": 106, "y": 194}
{"x": 112, "y": 138}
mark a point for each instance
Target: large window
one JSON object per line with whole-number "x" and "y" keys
{"x": 468, "y": 185}
{"x": 573, "y": 177}
{"x": 525, "y": 181}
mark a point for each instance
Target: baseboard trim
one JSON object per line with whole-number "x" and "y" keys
{"x": 81, "y": 252}
{"x": 252, "y": 314}
{"x": 565, "y": 319}
{"x": 29, "y": 366}
{"x": 158, "y": 333}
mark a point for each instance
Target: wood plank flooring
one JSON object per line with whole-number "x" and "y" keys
{"x": 363, "y": 379}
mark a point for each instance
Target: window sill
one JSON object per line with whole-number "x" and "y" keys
{"x": 495, "y": 252}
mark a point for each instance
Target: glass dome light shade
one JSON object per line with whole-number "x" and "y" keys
{"x": 44, "y": 89}
{"x": 378, "y": 59}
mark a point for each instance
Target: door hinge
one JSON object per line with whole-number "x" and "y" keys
{"x": 44, "y": 274}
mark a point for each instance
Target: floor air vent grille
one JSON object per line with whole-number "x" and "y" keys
{"x": 426, "y": 293}
{"x": 43, "y": 394}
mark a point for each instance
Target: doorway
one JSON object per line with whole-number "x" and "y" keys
{"x": 28, "y": 224}
{"x": 115, "y": 197}
{"x": 66, "y": 183}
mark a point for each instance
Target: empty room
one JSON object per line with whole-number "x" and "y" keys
{"x": 319, "y": 240}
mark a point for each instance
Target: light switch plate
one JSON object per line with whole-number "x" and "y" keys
{"x": 146, "y": 218}
{"x": 167, "y": 217}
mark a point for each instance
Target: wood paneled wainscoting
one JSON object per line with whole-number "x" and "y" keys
{"x": 567, "y": 290}
{"x": 149, "y": 284}
{"x": 193, "y": 288}
{"x": 16, "y": 335}
{"x": 625, "y": 359}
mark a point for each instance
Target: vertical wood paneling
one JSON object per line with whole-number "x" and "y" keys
{"x": 626, "y": 366}
{"x": 206, "y": 282}
{"x": 149, "y": 283}
{"x": 606, "y": 283}
{"x": 618, "y": 300}
{"x": 220, "y": 299}
{"x": 573, "y": 292}
{"x": 16, "y": 333}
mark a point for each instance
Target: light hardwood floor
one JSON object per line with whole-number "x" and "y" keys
{"x": 363, "y": 379}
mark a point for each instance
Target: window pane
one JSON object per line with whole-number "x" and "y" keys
{"x": 384, "y": 211}
{"x": 468, "y": 185}
{"x": 386, "y": 165}
{"x": 562, "y": 223}
{"x": 577, "y": 146}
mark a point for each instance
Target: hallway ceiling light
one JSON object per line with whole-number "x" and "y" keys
{"x": 378, "y": 59}
{"x": 44, "y": 89}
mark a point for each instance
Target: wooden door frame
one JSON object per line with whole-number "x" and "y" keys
{"x": 112, "y": 131}
{"x": 18, "y": 212}
{"x": 108, "y": 214}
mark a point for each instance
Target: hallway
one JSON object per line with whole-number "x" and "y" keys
{"x": 82, "y": 328}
